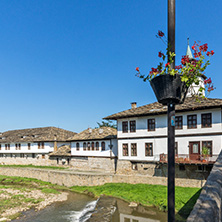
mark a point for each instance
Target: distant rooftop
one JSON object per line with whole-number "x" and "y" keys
{"x": 35, "y": 134}
{"x": 93, "y": 134}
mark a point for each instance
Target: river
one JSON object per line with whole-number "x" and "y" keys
{"x": 79, "y": 207}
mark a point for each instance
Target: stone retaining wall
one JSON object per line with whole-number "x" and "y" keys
{"x": 208, "y": 206}
{"x": 71, "y": 178}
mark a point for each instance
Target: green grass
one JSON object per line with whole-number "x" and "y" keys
{"x": 24, "y": 185}
{"x": 48, "y": 190}
{"x": 34, "y": 166}
{"x": 145, "y": 194}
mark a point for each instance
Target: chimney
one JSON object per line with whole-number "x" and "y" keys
{"x": 55, "y": 143}
{"x": 133, "y": 105}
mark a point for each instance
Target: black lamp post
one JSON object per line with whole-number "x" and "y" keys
{"x": 171, "y": 119}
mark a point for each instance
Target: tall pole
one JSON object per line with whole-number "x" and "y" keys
{"x": 171, "y": 120}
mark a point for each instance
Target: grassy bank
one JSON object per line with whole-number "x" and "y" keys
{"x": 145, "y": 194}
{"x": 148, "y": 195}
{"x": 34, "y": 166}
{"x": 18, "y": 194}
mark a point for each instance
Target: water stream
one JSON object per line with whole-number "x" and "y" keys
{"x": 78, "y": 208}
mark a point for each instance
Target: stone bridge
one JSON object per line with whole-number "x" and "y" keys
{"x": 208, "y": 206}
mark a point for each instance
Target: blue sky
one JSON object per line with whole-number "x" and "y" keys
{"x": 70, "y": 63}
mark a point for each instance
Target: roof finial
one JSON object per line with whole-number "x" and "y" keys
{"x": 189, "y": 53}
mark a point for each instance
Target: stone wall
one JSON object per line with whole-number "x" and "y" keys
{"x": 71, "y": 178}
{"x": 26, "y": 161}
{"x": 79, "y": 163}
{"x": 93, "y": 163}
{"x": 208, "y": 206}
{"x": 113, "y": 165}
{"x": 156, "y": 169}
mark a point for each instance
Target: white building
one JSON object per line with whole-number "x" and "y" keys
{"x": 142, "y": 131}
{"x": 95, "y": 149}
{"x": 31, "y": 145}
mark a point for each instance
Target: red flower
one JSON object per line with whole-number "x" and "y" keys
{"x": 160, "y": 54}
{"x": 160, "y": 33}
{"x": 185, "y": 59}
{"x": 179, "y": 67}
{"x": 208, "y": 81}
{"x": 167, "y": 64}
{"x": 154, "y": 70}
{"x": 211, "y": 88}
{"x": 203, "y": 47}
{"x": 210, "y": 53}
{"x": 137, "y": 69}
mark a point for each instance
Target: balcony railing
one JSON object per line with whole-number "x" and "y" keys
{"x": 190, "y": 158}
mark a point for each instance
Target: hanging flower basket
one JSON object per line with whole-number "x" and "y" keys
{"x": 170, "y": 83}
{"x": 169, "y": 89}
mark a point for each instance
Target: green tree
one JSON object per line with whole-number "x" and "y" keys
{"x": 107, "y": 123}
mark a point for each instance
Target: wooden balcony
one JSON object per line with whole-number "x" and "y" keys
{"x": 190, "y": 159}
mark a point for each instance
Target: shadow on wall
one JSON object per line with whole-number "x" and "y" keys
{"x": 188, "y": 207}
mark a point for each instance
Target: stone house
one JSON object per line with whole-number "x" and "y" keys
{"x": 61, "y": 156}
{"x": 94, "y": 149}
{"x": 142, "y": 137}
{"x": 31, "y": 146}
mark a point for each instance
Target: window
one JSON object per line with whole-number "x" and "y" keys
{"x": 92, "y": 144}
{"x": 103, "y": 146}
{"x": 125, "y": 126}
{"x": 6, "y": 146}
{"x": 125, "y": 149}
{"x": 206, "y": 120}
{"x": 133, "y": 126}
{"x": 0, "y": 146}
{"x": 16, "y": 146}
{"x": 176, "y": 148}
{"x": 33, "y": 155}
{"x": 43, "y": 156}
{"x": 208, "y": 145}
{"x": 29, "y": 146}
{"x": 19, "y": 146}
{"x": 84, "y": 146}
{"x": 192, "y": 121}
{"x": 148, "y": 149}
{"x": 151, "y": 124}
{"x": 97, "y": 145}
{"x": 40, "y": 145}
{"x": 77, "y": 146}
{"x": 133, "y": 149}
{"x": 179, "y": 122}
{"x": 22, "y": 155}
{"x": 88, "y": 146}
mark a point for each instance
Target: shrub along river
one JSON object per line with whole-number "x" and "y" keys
{"x": 80, "y": 207}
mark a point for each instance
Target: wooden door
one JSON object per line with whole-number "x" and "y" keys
{"x": 194, "y": 150}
